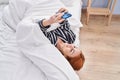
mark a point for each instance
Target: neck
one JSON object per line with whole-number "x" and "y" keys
{"x": 59, "y": 44}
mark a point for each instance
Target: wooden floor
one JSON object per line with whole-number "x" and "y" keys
{"x": 101, "y": 47}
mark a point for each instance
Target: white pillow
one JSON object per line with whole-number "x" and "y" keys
{"x": 67, "y": 2}
{"x": 4, "y": 1}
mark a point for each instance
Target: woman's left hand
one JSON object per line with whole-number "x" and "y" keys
{"x": 57, "y": 18}
{"x": 62, "y": 10}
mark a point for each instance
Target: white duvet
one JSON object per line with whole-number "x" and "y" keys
{"x": 25, "y": 53}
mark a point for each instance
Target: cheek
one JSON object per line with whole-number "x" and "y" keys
{"x": 66, "y": 51}
{"x": 77, "y": 51}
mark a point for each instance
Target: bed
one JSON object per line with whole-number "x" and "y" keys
{"x": 30, "y": 57}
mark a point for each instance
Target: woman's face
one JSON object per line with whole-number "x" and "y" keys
{"x": 70, "y": 50}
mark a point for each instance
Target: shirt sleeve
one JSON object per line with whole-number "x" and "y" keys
{"x": 43, "y": 28}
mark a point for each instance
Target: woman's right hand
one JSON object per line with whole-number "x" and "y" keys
{"x": 57, "y": 18}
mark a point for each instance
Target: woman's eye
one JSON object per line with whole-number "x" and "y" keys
{"x": 72, "y": 51}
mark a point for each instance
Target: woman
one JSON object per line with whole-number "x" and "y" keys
{"x": 63, "y": 38}
{"x": 25, "y": 53}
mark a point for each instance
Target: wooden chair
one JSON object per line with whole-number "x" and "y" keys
{"x": 101, "y": 11}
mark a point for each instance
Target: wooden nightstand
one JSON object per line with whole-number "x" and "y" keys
{"x": 101, "y": 11}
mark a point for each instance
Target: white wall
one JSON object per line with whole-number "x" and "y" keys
{"x": 103, "y": 3}
{"x": 117, "y": 8}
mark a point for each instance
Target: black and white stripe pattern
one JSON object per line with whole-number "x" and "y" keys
{"x": 64, "y": 32}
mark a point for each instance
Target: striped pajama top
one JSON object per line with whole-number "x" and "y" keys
{"x": 63, "y": 32}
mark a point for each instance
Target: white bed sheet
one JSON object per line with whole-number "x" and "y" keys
{"x": 76, "y": 4}
{"x": 1, "y": 9}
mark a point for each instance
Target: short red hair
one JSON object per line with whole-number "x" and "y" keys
{"x": 77, "y": 62}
